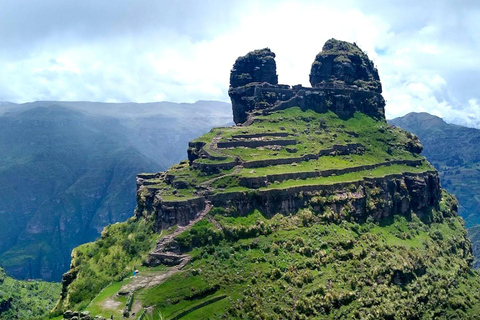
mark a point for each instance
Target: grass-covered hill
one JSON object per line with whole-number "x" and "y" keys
{"x": 67, "y": 169}
{"x": 323, "y": 260}
{"x": 308, "y": 211}
{"x": 26, "y": 299}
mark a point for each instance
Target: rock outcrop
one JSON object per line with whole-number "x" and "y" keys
{"x": 343, "y": 80}
{"x": 344, "y": 63}
{"x": 256, "y": 66}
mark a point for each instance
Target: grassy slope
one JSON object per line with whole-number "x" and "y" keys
{"x": 308, "y": 265}
{"x": 121, "y": 249}
{"x": 458, "y": 167}
{"x": 26, "y": 299}
{"x": 314, "y": 132}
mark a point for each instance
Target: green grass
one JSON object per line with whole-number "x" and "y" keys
{"x": 314, "y": 132}
{"x": 96, "y": 305}
{"x": 349, "y": 177}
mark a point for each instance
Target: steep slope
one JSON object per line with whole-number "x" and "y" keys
{"x": 455, "y": 152}
{"x": 312, "y": 206}
{"x": 66, "y": 173}
{"x": 26, "y": 299}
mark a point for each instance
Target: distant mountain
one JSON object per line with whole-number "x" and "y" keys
{"x": 67, "y": 169}
{"x": 455, "y": 151}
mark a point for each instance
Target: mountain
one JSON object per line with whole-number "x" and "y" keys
{"x": 311, "y": 207}
{"x": 67, "y": 169}
{"x": 26, "y": 299}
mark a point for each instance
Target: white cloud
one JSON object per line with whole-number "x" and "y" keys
{"x": 426, "y": 52}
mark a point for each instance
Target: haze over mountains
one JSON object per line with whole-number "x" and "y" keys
{"x": 67, "y": 169}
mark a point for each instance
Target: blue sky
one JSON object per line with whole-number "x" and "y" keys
{"x": 182, "y": 51}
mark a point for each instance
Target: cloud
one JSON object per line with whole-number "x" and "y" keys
{"x": 183, "y": 51}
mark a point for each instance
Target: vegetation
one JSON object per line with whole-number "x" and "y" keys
{"x": 120, "y": 250}
{"x": 26, "y": 299}
{"x": 304, "y": 265}
{"x": 458, "y": 166}
{"x": 314, "y": 133}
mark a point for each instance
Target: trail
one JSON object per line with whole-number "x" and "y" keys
{"x": 148, "y": 279}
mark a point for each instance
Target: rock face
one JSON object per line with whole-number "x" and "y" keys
{"x": 343, "y": 63}
{"x": 343, "y": 80}
{"x": 256, "y": 66}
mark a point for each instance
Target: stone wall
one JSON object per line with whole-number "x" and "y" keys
{"x": 263, "y": 181}
{"x": 256, "y": 143}
{"x": 375, "y": 197}
{"x": 167, "y": 213}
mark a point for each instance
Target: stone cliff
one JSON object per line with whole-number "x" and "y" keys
{"x": 344, "y": 82}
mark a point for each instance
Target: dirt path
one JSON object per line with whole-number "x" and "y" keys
{"x": 148, "y": 279}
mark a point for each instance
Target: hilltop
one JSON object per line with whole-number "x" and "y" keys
{"x": 311, "y": 206}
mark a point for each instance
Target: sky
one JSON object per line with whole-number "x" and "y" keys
{"x": 182, "y": 51}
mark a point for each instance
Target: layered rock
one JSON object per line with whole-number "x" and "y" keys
{"x": 378, "y": 198}
{"x": 343, "y": 80}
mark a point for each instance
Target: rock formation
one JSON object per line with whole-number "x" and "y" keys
{"x": 345, "y": 64}
{"x": 295, "y": 199}
{"x": 257, "y": 66}
{"x": 344, "y": 81}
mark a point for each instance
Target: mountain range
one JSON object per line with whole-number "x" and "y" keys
{"x": 67, "y": 169}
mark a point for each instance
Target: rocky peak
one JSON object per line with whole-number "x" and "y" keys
{"x": 343, "y": 79}
{"x": 344, "y": 63}
{"x": 256, "y": 66}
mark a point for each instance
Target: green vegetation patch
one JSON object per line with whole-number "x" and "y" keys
{"x": 26, "y": 299}
{"x": 121, "y": 249}
{"x": 302, "y": 267}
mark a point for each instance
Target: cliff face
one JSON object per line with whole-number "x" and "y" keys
{"x": 311, "y": 207}
{"x": 377, "y": 198}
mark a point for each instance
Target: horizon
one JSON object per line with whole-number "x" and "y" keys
{"x": 141, "y": 51}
